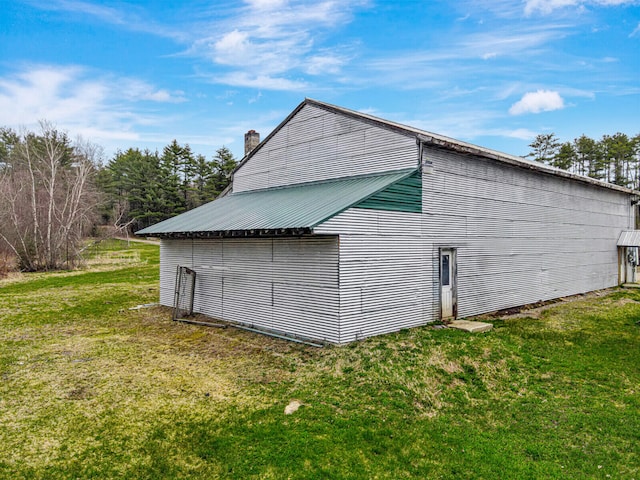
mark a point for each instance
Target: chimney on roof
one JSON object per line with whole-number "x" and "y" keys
{"x": 251, "y": 141}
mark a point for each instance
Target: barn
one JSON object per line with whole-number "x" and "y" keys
{"x": 340, "y": 225}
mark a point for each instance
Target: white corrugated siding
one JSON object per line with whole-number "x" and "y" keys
{"x": 317, "y": 145}
{"x": 284, "y": 285}
{"x": 172, "y": 254}
{"x": 385, "y": 282}
{"x": 521, "y": 236}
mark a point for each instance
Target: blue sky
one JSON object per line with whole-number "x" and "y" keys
{"x": 495, "y": 72}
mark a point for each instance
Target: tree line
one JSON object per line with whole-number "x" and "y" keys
{"x": 612, "y": 158}
{"x": 142, "y": 187}
{"x": 55, "y": 192}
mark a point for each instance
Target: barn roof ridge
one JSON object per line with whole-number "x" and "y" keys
{"x": 449, "y": 143}
{"x": 437, "y": 140}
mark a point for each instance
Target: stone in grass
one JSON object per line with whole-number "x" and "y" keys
{"x": 470, "y": 326}
{"x": 292, "y": 407}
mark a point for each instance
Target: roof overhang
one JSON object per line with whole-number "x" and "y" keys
{"x": 285, "y": 211}
{"x": 629, "y": 238}
{"x": 255, "y": 233}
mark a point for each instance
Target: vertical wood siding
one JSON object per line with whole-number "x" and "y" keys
{"x": 521, "y": 236}
{"x": 318, "y": 145}
{"x": 283, "y": 285}
{"x": 385, "y": 274}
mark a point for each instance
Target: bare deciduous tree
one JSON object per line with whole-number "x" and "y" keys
{"x": 47, "y": 197}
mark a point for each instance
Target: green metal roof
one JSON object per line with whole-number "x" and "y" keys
{"x": 402, "y": 196}
{"x": 294, "y": 208}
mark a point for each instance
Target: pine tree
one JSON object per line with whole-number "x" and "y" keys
{"x": 586, "y": 156}
{"x": 565, "y": 158}
{"x": 545, "y": 148}
{"x": 223, "y": 166}
{"x": 203, "y": 173}
{"x": 619, "y": 150}
{"x": 173, "y": 189}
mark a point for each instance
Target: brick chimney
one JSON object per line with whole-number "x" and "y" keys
{"x": 251, "y": 141}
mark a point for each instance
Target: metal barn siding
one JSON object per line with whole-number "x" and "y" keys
{"x": 366, "y": 256}
{"x": 521, "y": 236}
{"x": 286, "y": 285}
{"x": 172, "y": 254}
{"x": 316, "y": 144}
{"x": 385, "y": 282}
{"x": 207, "y": 262}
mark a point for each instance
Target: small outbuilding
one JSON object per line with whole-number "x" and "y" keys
{"x": 340, "y": 225}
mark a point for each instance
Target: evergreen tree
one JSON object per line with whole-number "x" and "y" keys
{"x": 587, "y": 157}
{"x": 619, "y": 151}
{"x": 545, "y": 147}
{"x": 223, "y": 166}
{"x": 565, "y": 158}
{"x": 635, "y": 141}
{"x": 174, "y": 188}
{"x": 135, "y": 183}
{"x": 202, "y": 183}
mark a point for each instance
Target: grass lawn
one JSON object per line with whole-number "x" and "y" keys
{"x": 91, "y": 389}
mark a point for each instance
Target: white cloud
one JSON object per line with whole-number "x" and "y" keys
{"x": 636, "y": 31}
{"x": 100, "y": 107}
{"x": 44, "y": 92}
{"x": 520, "y": 133}
{"x": 536, "y": 102}
{"x": 548, "y": 6}
{"x": 266, "y": 82}
{"x": 508, "y": 41}
{"x": 323, "y": 64}
{"x": 267, "y": 4}
{"x": 233, "y": 47}
{"x": 137, "y": 90}
{"x": 132, "y": 19}
{"x": 267, "y": 40}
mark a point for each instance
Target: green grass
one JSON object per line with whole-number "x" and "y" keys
{"x": 91, "y": 389}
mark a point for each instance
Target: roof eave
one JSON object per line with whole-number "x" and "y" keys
{"x": 251, "y": 233}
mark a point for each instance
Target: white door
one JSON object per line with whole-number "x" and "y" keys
{"x": 631, "y": 263}
{"x": 447, "y": 282}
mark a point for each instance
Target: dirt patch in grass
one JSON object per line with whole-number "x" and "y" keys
{"x": 536, "y": 310}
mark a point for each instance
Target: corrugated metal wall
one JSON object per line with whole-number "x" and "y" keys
{"x": 385, "y": 272}
{"x": 521, "y": 236}
{"x": 317, "y": 145}
{"x": 285, "y": 285}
